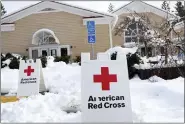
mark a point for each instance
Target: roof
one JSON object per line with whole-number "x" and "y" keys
{"x": 12, "y": 17}
{"x": 140, "y": 6}
{"x": 179, "y": 25}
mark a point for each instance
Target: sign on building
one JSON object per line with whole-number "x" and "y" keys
{"x": 91, "y": 32}
{"x": 105, "y": 89}
{"x": 31, "y": 80}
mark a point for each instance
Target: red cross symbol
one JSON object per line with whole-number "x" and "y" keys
{"x": 105, "y": 78}
{"x": 28, "y": 71}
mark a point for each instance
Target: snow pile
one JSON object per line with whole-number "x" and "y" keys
{"x": 162, "y": 101}
{"x": 16, "y": 55}
{"x": 121, "y": 50}
{"x": 173, "y": 61}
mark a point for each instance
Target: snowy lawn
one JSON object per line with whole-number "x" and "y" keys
{"x": 161, "y": 101}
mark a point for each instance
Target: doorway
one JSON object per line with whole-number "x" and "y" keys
{"x": 53, "y": 52}
{"x": 44, "y": 53}
{"x": 35, "y": 54}
{"x": 64, "y": 52}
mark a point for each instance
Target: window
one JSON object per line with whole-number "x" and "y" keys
{"x": 53, "y": 52}
{"x": 44, "y": 52}
{"x": 133, "y": 30}
{"x": 63, "y": 51}
{"x": 162, "y": 50}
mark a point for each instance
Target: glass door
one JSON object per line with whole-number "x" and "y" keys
{"x": 53, "y": 52}
{"x": 44, "y": 52}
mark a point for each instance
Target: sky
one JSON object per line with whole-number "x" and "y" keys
{"x": 101, "y": 6}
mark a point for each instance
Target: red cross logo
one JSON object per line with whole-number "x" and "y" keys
{"x": 28, "y": 71}
{"x": 105, "y": 78}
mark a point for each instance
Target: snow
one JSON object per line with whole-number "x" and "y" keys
{"x": 119, "y": 49}
{"x": 152, "y": 101}
{"x": 160, "y": 64}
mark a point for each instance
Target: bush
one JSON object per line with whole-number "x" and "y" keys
{"x": 8, "y": 56}
{"x": 131, "y": 60}
{"x": 43, "y": 61}
{"x": 24, "y": 58}
{"x": 14, "y": 64}
{"x": 2, "y": 57}
{"x": 113, "y": 56}
{"x": 77, "y": 59}
{"x": 65, "y": 59}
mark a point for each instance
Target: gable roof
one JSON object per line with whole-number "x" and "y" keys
{"x": 140, "y": 6}
{"x": 12, "y": 17}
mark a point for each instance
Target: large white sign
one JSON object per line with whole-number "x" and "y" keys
{"x": 105, "y": 89}
{"x": 31, "y": 80}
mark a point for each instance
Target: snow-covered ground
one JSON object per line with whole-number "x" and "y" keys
{"x": 160, "y": 101}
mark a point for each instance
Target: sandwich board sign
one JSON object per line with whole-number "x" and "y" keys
{"x": 105, "y": 89}
{"x": 31, "y": 80}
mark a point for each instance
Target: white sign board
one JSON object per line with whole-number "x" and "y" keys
{"x": 105, "y": 89}
{"x": 31, "y": 80}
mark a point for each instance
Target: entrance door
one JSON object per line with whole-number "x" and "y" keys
{"x": 63, "y": 51}
{"x": 34, "y": 54}
{"x": 53, "y": 52}
{"x": 44, "y": 53}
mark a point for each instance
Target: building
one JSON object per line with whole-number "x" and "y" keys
{"x": 54, "y": 28}
{"x": 155, "y": 16}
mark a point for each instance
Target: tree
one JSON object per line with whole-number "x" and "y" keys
{"x": 165, "y": 6}
{"x": 110, "y": 8}
{"x": 180, "y": 11}
{"x": 3, "y": 11}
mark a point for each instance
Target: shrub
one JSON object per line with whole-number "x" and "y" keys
{"x": 131, "y": 60}
{"x": 65, "y": 59}
{"x": 24, "y": 58}
{"x": 2, "y": 57}
{"x": 43, "y": 61}
{"x": 113, "y": 56}
{"x": 77, "y": 59}
{"x": 14, "y": 64}
{"x": 8, "y": 56}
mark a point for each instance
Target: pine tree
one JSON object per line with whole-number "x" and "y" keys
{"x": 110, "y": 8}
{"x": 3, "y": 11}
{"x": 180, "y": 11}
{"x": 165, "y": 6}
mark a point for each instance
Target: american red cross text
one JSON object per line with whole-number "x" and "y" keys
{"x": 105, "y": 78}
{"x": 28, "y": 71}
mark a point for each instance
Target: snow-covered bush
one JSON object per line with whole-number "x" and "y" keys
{"x": 132, "y": 59}
{"x": 43, "y": 61}
{"x": 14, "y": 64}
{"x": 13, "y": 60}
{"x": 65, "y": 59}
{"x": 77, "y": 59}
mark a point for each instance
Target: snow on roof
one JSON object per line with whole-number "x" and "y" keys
{"x": 20, "y": 9}
{"x": 54, "y": 5}
{"x": 140, "y": 6}
{"x": 84, "y": 8}
{"x": 121, "y": 50}
{"x": 36, "y": 38}
{"x": 179, "y": 25}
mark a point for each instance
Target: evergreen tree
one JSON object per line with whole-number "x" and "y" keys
{"x": 3, "y": 11}
{"x": 110, "y": 8}
{"x": 165, "y": 6}
{"x": 180, "y": 11}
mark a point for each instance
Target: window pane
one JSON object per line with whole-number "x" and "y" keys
{"x": 130, "y": 39}
{"x": 63, "y": 51}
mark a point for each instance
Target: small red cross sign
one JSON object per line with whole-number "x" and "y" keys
{"x": 28, "y": 71}
{"x": 105, "y": 78}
